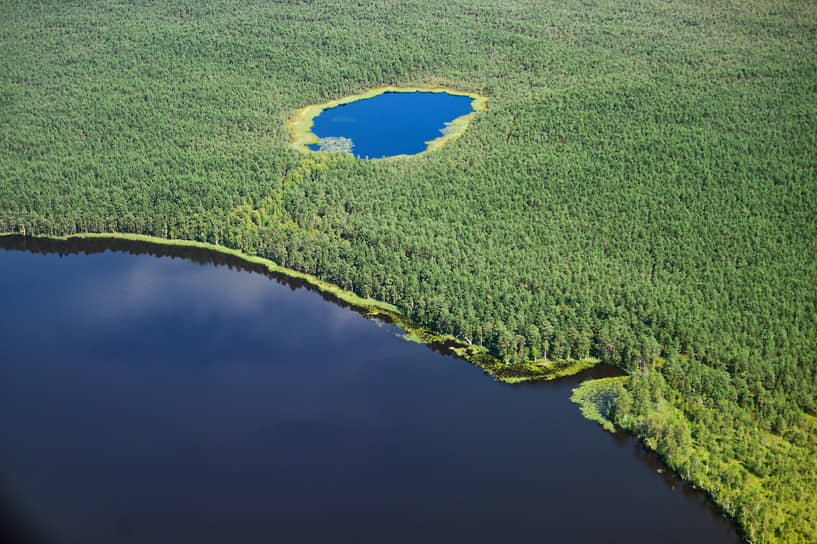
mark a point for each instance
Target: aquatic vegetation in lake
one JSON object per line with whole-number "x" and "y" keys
{"x": 386, "y": 122}
{"x": 337, "y": 144}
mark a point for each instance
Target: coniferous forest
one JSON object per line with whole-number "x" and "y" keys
{"x": 642, "y": 187}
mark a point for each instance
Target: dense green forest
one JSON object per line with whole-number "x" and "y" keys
{"x": 642, "y": 187}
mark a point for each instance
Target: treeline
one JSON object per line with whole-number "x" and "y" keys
{"x": 701, "y": 428}
{"x": 642, "y": 186}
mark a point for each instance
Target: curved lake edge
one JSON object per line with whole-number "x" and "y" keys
{"x": 35, "y": 256}
{"x": 300, "y": 125}
{"x": 531, "y": 371}
{"x": 585, "y": 396}
{"x": 582, "y": 373}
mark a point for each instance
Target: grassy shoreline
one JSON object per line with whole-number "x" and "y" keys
{"x": 541, "y": 370}
{"x": 300, "y": 125}
{"x": 596, "y": 397}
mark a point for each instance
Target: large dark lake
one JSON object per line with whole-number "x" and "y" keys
{"x": 190, "y": 399}
{"x": 390, "y": 123}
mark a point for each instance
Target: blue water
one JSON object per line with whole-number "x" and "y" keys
{"x": 190, "y": 398}
{"x": 391, "y": 123}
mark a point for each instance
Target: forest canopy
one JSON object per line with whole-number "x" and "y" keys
{"x": 642, "y": 187}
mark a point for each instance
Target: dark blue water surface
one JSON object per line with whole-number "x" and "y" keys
{"x": 391, "y": 123}
{"x": 171, "y": 400}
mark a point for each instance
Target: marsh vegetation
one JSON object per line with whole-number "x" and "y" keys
{"x": 386, "y": 122}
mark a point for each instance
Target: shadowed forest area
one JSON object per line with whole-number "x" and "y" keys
{"x": 641, "y": 189}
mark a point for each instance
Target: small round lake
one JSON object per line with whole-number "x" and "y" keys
{"x": 389, "y": 124}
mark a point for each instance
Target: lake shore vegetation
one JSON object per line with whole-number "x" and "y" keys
{"x": 541, "y": 370}
{"x": 301, "y": 123}
{"x": 642, "y": 189}
{"x": 734, "y": 464}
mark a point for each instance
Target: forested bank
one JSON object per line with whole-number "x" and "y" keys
{"x": 642, "y": 187}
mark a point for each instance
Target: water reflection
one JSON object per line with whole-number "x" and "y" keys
{"x": 145, "y": 283}
{"x": 218, "y": 424}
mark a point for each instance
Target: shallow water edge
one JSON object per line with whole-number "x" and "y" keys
{"x": 370, "y": 308}
{"x": 90, "y": 244}
{"x": 300, "y": 125}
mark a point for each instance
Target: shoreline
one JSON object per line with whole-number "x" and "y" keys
{"x": 300, "y": 124}
{"x": 583, "y": 395}
{"x": 592, "y": 397}
{"x": 528, "y": 371}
